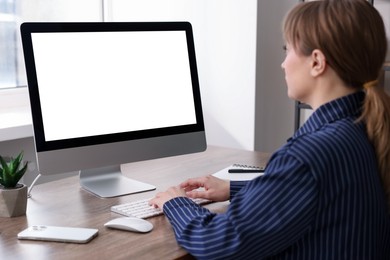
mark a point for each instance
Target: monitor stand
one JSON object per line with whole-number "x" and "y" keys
{"x": 109, "y": 182}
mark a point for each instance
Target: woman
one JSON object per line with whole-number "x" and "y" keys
{"x": 325, "y": 193}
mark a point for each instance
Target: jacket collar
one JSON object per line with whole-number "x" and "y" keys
{"x": 347, "y": 106}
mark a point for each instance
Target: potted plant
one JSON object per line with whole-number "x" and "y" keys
{"x": 13, "y": 195}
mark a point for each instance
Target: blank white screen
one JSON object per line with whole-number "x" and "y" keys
{"x": 99, "y": 83}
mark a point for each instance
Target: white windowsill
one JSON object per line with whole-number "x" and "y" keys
{"x": 15, "y": 114}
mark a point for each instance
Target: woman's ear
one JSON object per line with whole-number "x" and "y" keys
{"x": 318, "y": 63}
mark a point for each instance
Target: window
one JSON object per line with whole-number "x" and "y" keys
{"x": 10, "y": 56}
{"x": 14, "y": 12}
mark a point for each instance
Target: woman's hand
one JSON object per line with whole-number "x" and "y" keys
{"x": 159, "y": 200}
{"x": 214, "y": 189}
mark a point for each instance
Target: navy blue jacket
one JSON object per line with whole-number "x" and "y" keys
{"x": 320, "y": 198}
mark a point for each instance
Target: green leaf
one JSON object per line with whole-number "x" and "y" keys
{"x": 3, "y": 164}
{"x": 12, "y": 172}
{"x": 16, "y": 162}
{"x": 4, "y": 172}
{"x": 19, "y": 174}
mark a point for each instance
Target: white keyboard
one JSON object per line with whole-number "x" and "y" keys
{"x": 142, "y": 209}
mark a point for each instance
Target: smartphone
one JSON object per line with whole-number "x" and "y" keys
{"x": 59, "y": 234}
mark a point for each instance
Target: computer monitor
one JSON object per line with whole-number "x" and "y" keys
{"x": 104, "y": 94}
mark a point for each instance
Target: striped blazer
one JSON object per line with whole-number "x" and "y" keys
{"x": 320, "y": 198}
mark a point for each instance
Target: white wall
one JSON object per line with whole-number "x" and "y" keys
{"x": 225, "y": 44}
{"x": 61, "y": 10}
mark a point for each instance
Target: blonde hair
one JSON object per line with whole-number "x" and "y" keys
{"x": 352, "y": 36}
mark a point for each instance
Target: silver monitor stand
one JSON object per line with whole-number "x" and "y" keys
{"x": 109, "y": 182}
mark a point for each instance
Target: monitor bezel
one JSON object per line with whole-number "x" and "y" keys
{"x": 42, "y": 145}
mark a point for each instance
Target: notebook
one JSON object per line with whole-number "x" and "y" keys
{"x": 248, "y": 172}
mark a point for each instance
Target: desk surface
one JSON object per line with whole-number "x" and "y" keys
{"x": 64, "y": 203}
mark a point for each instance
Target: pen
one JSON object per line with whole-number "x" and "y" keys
{"x": 245, "y": 170}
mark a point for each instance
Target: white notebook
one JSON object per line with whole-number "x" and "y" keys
{"x": 248, "y": 172}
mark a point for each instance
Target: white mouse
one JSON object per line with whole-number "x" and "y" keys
{"x": 130, "y": 224}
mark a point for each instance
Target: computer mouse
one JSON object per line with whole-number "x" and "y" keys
{"x": 130, "y": 224}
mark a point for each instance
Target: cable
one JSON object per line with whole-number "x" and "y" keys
{"x": 32, "y": 185}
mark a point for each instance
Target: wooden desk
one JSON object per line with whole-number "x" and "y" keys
{"x": 64, "y": 203}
